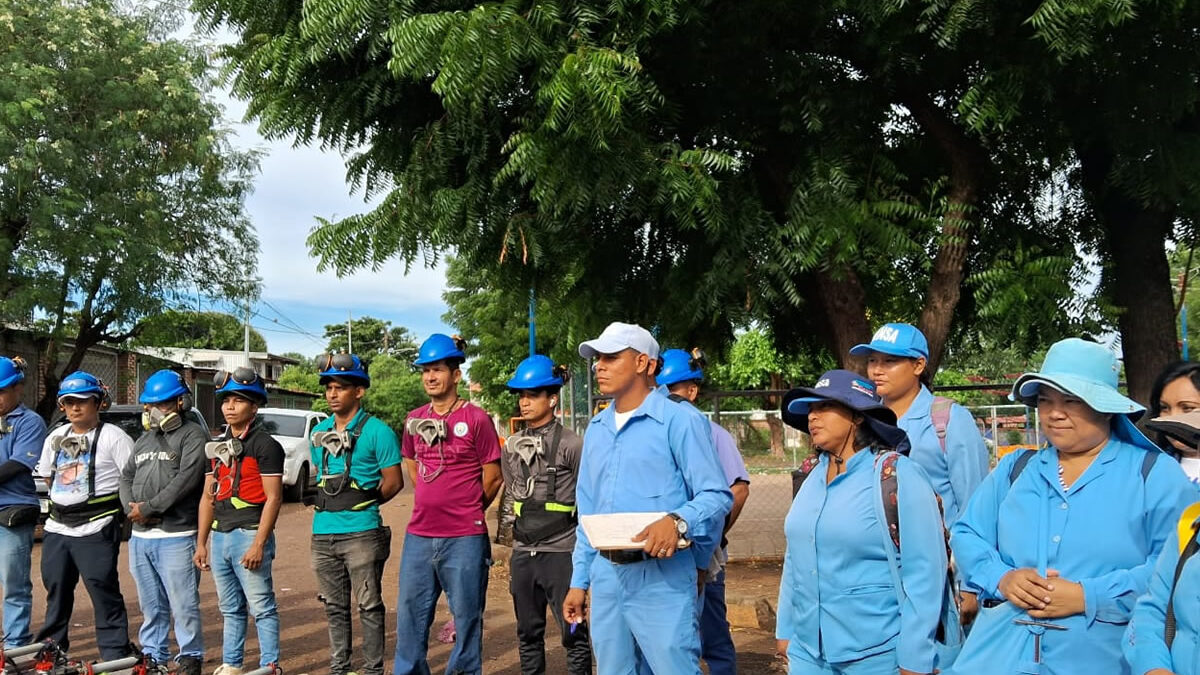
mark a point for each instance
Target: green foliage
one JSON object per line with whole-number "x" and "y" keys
{"x": 395, "y": 390}
{"x": 121, "y": 193}
{"x": 200, "y": 330}
{"x": 372, "y": 337}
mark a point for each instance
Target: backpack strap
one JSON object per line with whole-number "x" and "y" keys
{"x": 889, "y": 495}
{"x": 1014, "y": 472}
{"x": 802, "y": 473}
{"x": 1148, "y": 463}
{"x": 940, "y": 412}
{"x": 1186, "y": 529}
{"x": 552, "y": 464}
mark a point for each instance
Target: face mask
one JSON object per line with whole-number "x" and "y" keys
{"x": 225, "y": 451}
{"x": 525, "y": 447}
{"x": 157, "y": 419}
{"x": 1191, "y": 467}
{"x": 428, "y": 430}
{"x": 73, "y": 445}
{"x": 332, "y": 442}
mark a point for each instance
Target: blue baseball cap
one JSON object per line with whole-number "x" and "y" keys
{"x": 853, "y": 391}
{"x": 897, "y": 339}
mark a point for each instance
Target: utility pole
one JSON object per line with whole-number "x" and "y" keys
{"x": 246, "y": 335}
{"x": 349, "y": 332}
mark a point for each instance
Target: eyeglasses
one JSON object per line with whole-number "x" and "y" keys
{"x": 241, "y": 375}
{"x": 337, "y": 362}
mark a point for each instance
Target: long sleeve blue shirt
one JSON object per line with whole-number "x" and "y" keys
{"x": 1105, "y": 533}
{"x": 21, "y": 440}
{"x": 1145, "y": 645}
{"x": 959, "y": 469}
{"x": 662, "y": 459}
{"x": 837, "y": 598}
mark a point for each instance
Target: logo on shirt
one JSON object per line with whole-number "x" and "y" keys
{"x": 460, "y": 429}
{"x": 886, "y": 334}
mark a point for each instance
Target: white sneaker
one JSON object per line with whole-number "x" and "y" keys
{"x": 226, "y": 669}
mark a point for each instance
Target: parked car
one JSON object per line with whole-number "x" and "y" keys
{"x": 292, "y": 428}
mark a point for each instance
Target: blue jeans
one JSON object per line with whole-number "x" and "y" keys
{"x": 240, "y": 590}
{"x": 716, "y": 644}
{"x": 167, "y": 583}
{"x": 16, "y": 546}
{"x": 459, "y": 566}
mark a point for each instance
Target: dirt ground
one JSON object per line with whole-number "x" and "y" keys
{"x": 305, "y": 643}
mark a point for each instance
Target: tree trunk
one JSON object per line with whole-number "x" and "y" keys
{"x": 1135, "y": 236}
{"x": 844, "y": 304}
{"x": 52, "y": 376}
{"x": 775, "y": 422}
{"x": 964, "y": 156}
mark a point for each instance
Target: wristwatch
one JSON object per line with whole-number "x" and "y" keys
{"x": 681, "y": 527}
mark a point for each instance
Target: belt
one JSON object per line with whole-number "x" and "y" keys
{"x": 990, "y": 603}
{"x": 625, "y": 557}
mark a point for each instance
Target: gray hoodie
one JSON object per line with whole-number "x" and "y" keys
{"x": 166, "y": 473}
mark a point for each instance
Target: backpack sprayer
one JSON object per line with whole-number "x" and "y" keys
{"x": 47, "y": 658}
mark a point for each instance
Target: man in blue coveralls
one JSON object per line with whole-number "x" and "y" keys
{"x": 644, "y": 454}
{"x": 22, "y": 433}
{"x": 682, "y": 374}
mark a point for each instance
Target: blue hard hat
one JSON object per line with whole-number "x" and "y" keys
{"x": 163, "y": 386}
{"x": 343, "y": 365}
{"x": 535, "y": 372}
{"x": 81, "y": 385}
{"x": 439, "y": 347}
{"x": 678, "y": 366}
{"x": 243, "y": 381}
{"x": 10, "y": 372}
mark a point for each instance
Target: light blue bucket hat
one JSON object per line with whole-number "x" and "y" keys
{"x": 1091, "y": 372}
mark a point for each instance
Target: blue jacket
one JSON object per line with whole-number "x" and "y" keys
{"x": 23, "y": 443}
{"x": 836, "y": 596}
{"x": 1105, "y": 533}
{"x": 958, "y": 470}
{"x": 661, "y": 460}
{"x": 1145, "y": 645}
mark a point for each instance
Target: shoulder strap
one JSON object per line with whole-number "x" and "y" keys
{"x": 1018, "y": 466}
{"x": 883, "y": 465}
{"x": 92, "y": 461}
{"x": 802, "y": 473}
{"x": 1148, "y": 464}
{"x": 889, "y": 495}
{"x": 1187, "y": 548}
{"x": 940, "y": 412}
{"x": 551, "y": 464}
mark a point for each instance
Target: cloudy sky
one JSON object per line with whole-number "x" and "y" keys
{"x": 293, "y": 187}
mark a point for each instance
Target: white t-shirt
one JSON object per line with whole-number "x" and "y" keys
{"x": 622, "y": 417}
{"x": 70, "y": 485}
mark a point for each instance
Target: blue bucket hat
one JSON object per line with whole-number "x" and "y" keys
{"x": 897, "y": 339}
{"x": 1091, "y": 372}
{"x": 853, "y": 391}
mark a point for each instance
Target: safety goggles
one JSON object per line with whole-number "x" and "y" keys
{"x": 341, "y": 362}
{"x": 241, "y": 375}
{"x": 698, "y": 360}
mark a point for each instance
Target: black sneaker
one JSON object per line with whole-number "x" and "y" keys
{"x": 188, "y": 665}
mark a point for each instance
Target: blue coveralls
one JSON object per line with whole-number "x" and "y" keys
{"x": 1105, "y": 533}
{"x": 662, "y": 459}
{"x": 1145, "y": 645}
{"x": 838, "y": 604}
{"x": 959, "y": 469}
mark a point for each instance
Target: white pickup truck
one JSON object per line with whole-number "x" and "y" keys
{"x": 292, "y": 428}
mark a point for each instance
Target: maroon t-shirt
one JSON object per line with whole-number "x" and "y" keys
{"x": 448, "y": 499}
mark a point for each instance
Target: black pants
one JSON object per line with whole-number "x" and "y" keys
{"x": 538, "y": 579}
{"x": 94, "y": 558}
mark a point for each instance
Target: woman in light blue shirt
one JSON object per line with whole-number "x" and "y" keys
{"x": 840, "y": 611}
{"x": 1062, "y": 541}
{"x": 956, "y": 463}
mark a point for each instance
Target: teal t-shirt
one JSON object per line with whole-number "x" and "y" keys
{"x": 375, "y": 449}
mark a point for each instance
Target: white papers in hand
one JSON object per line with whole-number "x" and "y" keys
{"x": 615, "y": 531}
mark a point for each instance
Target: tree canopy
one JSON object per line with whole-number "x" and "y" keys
{"x": 120, "y": 193}
{"x": 372, "y": 337}
{"x": 199, "y": 330}
{"x": 701, "y": 166}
